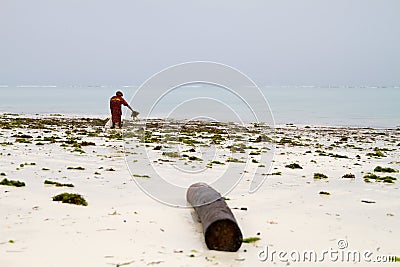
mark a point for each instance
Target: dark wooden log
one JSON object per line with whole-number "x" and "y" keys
{"x": 221, "y": 231}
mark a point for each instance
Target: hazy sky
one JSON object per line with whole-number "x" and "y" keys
{"x": 280, "y": 42}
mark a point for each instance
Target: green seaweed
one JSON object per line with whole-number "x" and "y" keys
{"x": 57, "y": 184}
{"x": 381, "y": 169}
{"x": 12, "y": 183}
{"x": 71, "y": 199}
{"x": 294, "y": 166}
{"x": 76, "y": 168}
{"x": 194, "y": 158}
{"x": 349, "y": 175}
{"x": 251, "y": 239}
{"x": 141, "y": 176}
{"x": 171, "y": 154}
{"x": 378, "y": 153}
{"x": 235, "y": 160}
{"x": 385, "y": 179}
{"x": 217, "y": 162}
{"x": 320, "y": 176}
{"x": 276, "y": 173}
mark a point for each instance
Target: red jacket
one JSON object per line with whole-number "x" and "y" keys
{"x": 115, "y": 104}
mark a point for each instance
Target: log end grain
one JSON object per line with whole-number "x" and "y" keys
{"x": 223, "y": 235}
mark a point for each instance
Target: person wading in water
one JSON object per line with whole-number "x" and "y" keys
{"x": 116, "y": 111}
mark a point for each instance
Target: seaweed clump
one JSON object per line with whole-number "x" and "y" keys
{"x": 57, "y": 184}
{"x": 378, "y": 153}
{"x": 294, "y": 166}
{"x": 320, "y": 176}
{"x": 12, "y": 183}
{"x": 76, "y": 168}
{"x": 349, "y": 175}
{"x": 380, "y": 169}
{"x": 71, "y": 199}
{"x": 385, "y": 179}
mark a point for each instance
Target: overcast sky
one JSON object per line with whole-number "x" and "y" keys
{"x": 115, "y": 42}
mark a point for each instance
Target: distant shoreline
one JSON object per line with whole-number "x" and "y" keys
{"x": 106, "y": 117}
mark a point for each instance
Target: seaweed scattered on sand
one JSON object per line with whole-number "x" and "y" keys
{"x": 320, "y": 176}
{"x": 71, "y": 199}
{"x": 57, "y": 184}
{"x": 323, "y": 153}
{"x": 385, "y": 179}
{"x": 76, "y": 168}
{"x": 276, "y": 173}
{"x": 378, "y": 153}
{"x": 193, "y": 158}
{"x": 171, "y": 154}
{"x": 217, "y": 162}
{"x": 349, "y": 175}
{"x": 380, "y": 169}
{"x": 294, "y": 166}
{"x": 15, "y": 183}
{"x": 235, "y": 160}
{"x": 251, "y": 239}
{"x": 141, "y": 176}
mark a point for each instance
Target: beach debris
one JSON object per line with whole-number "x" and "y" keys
{"x": 221, "y": 231}
{"x": 276, "y": 173}
{"x": 349, "y": 175}
{"x": 377, "y": 154}
{"x": 323, "y": 153}
{"x": 286, "y": 140}
{"x": 57, "y": 184}
{"x": 25, "y": 136}
{"x": 385, "y": 179}
{"x": 154, "y": 262}
{"x": 15, "y": 183}
{"x": 171, "y": 154}
{"x": 86, "y": 143}
{"x": 230, "y": 159}
{"x": 368, "y": 201}
{"x": 217, "y": 162}
{"x": 23, "y": 140}
{"x": 76, "y": 168}
{"x": 294, "y": 166}
{"x": 3, "y": 174}
{"x": 124, "y": 263}
{"x": 71, "y": 199}
{"x": 320, "y": 176}
{"x": 324, "y": 193}
{"x": 141, "y": 176}
{"x": 380, "y": 169}
{"x": 251, "y": 239}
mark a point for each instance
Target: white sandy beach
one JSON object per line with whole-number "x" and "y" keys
{"x": 123, "y": 226}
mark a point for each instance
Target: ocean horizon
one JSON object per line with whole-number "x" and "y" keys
{"x": 356, "y": 106}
